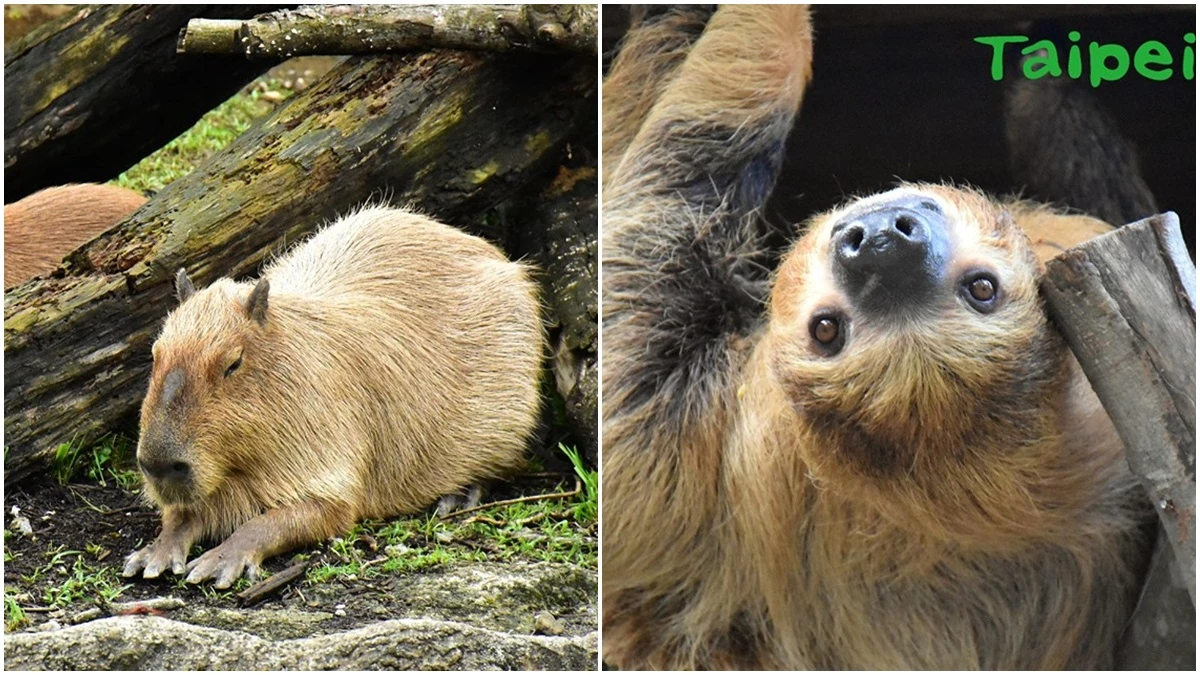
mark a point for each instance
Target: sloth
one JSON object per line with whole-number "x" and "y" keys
{"x": 882, "y": 455}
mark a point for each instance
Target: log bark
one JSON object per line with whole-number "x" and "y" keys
{"x": 557, "y": 231}
{"x": 1161, "y": 634}
{"x": 101, "y": 89}
{"x": 1126, "y": 303}
{"x": 452, "y": 132}
{"x": 368, "y": 29}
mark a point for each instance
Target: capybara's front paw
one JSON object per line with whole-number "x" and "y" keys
{"x": 164, "y": 554}
{"x": 225, "y": 564}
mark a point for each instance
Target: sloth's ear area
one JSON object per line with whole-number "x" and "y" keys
{"x": 183, "y": 286}
{"x": 1052, "y": 233}
{"x": 256, "y": 304}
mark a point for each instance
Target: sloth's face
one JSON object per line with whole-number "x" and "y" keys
{"x": 905, "y": 324}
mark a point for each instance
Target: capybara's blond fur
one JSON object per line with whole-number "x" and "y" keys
{"x": 942, "y": 491}
{"x": 42, "y": 228}
{"x": 386, "y": 362}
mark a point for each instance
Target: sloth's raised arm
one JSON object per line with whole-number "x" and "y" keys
{"x": 680, "y": 237}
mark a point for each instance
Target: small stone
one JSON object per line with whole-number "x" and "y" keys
{"x": 20, "y": 523}
{"x": 546, "y": 624}
{"x": 48, "y": 626}
{"x": 444, "y": 537}
{"x": 339, "y": 612}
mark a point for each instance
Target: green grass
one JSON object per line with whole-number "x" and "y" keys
{"x": 553, "y": 530}
{"x": 587, "y": 508}
{"x": 14, "y": 616}
{"x": 217, "y": 129}
{"x": 110, "y": 458}
{"x": 80, "y": 580}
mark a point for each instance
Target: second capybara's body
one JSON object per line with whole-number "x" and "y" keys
{"x": 47, "y": 225}
{"x": 386, "y": 362}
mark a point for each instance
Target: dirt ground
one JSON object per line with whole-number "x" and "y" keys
{"x": 81, "y": 534}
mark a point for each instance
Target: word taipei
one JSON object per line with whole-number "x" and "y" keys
{"x": 1152, "y": 60}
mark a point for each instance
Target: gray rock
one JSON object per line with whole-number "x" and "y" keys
{"x": 150, "y": 642}
{"x": 473, "y": 616}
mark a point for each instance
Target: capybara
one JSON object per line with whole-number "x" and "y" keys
{"x": 881, "y": 455}
{"x": 47, "y": 225}
{"x": 388, "y": 361}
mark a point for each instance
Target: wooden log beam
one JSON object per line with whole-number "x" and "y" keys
{"x": 369, "y": 29}
{"x": 88, "y": 96}
{"x": 451, "y": 132}
{"x": 556, "y": 230}
{"x": 1126, "y": 303}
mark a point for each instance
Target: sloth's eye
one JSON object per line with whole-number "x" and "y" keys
{"x": 826, "y": 331}
{"x": 233, "y": 366}
{"x": 981, "y": 292}
{"x": 829, "y": 333}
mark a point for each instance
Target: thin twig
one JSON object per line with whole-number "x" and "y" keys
{"x": 519, "y": 500}
{"x": 262, "y": 589}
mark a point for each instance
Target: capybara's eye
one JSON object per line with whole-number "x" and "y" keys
{"x": 234, "y": 366}
{"x": 981, "y": 291}
{"x": 828, "y": 332}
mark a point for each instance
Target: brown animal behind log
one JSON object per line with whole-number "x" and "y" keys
{"x": 47, "y": 225}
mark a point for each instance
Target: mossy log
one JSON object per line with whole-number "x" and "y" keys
{"x": 1126, "y": 304}
{"x": 451, "y": 132}
{"x": 89, "y": 95}
{"x": 369, "y": 29}
{"x": 557, "y": 231}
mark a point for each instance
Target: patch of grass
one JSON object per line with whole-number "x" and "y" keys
{"x": 14, "y": 616}
{"x": 81, "y": 581}
{"x": 544, "y": 530}
{"x": 9, "y": 556}
{"x": 217, "y": 129}
{"x": 587, "y": 507}
{"x": 110, "y": 458}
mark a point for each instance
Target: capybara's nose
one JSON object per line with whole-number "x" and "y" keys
{"x": 892, "y": 255}
{"x": 170, "y": 471}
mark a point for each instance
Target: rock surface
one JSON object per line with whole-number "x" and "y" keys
{"x": 478, "y": 616}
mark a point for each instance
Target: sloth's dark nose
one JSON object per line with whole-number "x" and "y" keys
{"x": 891, "y": 256}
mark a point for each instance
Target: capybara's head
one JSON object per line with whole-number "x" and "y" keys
{"x": 907, "y": 331}
{"x": 202, "y": 360}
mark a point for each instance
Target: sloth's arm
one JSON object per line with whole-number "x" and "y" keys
{"x": 680, "y": 212}
{"x": 649, "y": 55}
{"x": 1065, "y": 149}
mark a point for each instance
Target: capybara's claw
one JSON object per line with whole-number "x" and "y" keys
{"x": 224, "y": 564}
{"x": 152, "y": 560}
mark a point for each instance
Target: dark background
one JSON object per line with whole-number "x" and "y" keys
{"x": 906, "y": 93}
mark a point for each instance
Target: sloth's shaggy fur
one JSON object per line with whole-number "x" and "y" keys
{"x": 943, "y": 493}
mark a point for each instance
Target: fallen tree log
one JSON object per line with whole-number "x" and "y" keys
{"x": 451, "y": 132}
{"x": 557, "y": 231}
{"x": 1126, "y": 304}
{"x": 89, "y": 96}
{"x": 369, "y": 29}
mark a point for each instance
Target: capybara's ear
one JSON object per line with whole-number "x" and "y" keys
{"x": 256, "y": 305}
{"x": 183, "y": 285}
